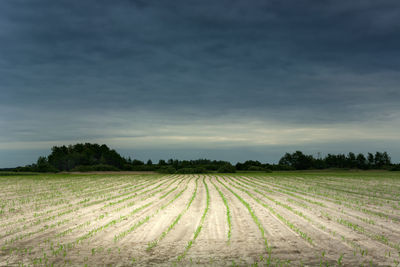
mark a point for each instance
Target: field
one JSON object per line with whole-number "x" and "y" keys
{"x": 277, "y": 219}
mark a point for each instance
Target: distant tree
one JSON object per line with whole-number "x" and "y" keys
{"x": 286, "y": 160}
{"x": 297, "y": 160}
{"x": 319, "y": 164}
{"x": 248, "y": 165}
{"x": 378, "y": 160}
{"x": 331, "y": 161}
{"x": 82, "y": 156}
{"x": 167, "y": 169}
{"x": 176, "y": 163}
{"x": 65, "y": 158}
{"x": 386, "y": 159}
{"x": 371, "y": 160}
{"x": 382, "y": 159}
{"x": 395, "y": 167}
{"x": 351, "y": 160}
{"x": 341, "y": 161}
{"x": 43, "y": 165}
{"x": 361, "y": 161}
{"x": 227, "y": 168}
{"x": 137, "y": 162}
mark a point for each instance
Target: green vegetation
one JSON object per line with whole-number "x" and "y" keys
{"x": 227, "y": 168}
{"x": 299, "y": 161}
{"x": 93, "y": 157}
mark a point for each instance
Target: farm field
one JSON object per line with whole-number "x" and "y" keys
{"x": 243, "y": 219}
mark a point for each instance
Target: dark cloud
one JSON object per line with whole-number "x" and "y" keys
{"x": 300, "y": 62}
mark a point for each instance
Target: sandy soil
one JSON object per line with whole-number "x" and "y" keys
{"x": 182, "y": 220}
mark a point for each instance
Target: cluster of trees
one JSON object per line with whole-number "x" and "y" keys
{"x": 300, "y": 161}
{"x": 94, "y": 157}
{"x": 254, "y": 165}
{"x": 79, "y": 157}
{"x": 194, "y": 166}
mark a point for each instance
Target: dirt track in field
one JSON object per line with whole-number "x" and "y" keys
{"x": 155, "y": 220}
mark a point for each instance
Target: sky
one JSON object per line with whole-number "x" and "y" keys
{"x": 187, "y": 79}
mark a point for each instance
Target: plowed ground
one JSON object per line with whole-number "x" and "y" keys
{"x": 292, "y": 219}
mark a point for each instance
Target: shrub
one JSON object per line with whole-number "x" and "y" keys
{"x": 395, "y": 167}
{"x": 227, "y": 168}
{"x": 167, "y": 169}
{"x": 192, "y": 170}
{"x": 143, "y": 168}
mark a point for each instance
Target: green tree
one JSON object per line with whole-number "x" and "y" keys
{"x": 43, "y": 165}
{"x": 371, "y": 160}
{"x": 227, "y": 168}
{"x": 386, "y": 159}
{"x": 297, "y": 160}
{"x": 351, "y": 160}
{"x": 361, "y": 161}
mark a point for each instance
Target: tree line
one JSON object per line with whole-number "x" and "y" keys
{"x": 94, "y": 157}
{"x": 300, "y": 161}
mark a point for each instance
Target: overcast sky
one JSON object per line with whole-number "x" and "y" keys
{"x": 226, "y": 79}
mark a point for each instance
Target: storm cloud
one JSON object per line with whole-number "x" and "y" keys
{"x": 189, "y": 75}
